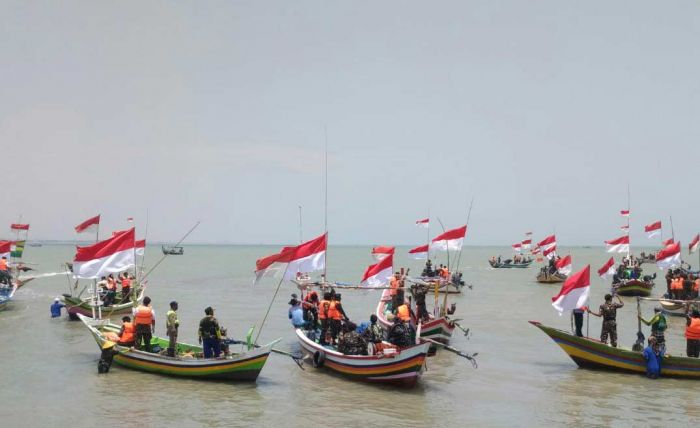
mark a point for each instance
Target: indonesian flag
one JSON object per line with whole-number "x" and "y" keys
{"x": 419, "y": 253}
{"x": 17, "y": 226}
{"x": 653, "y": 229}
{"x": 380, "y": 253}
{"x": 619, "y": 245}
{"x": 667, "y": 242}
{"x": 5, "y": 249}
{"x": 693, "y": 246}
{"x": 309, "y": 256}
{"x": 669, "y": 257}
{"x": 450, "y": 240}
{"x": 423, "y": 223}
{"x": 526, "y": 244}
{"x": 535, "y": 250}
{"x": 140, "y": 247}
{"x": 378, "y": 274}
{"x": 564, "y": 265}
{"x": 517, "y": 247}
{"x": 550, "y": 252}
{"x": 574, "y": 292}
{"x": 88, "y": 225}
{"x": 548, "y": 242}
{"x": 608, "y": 269}
{"x": 625, "y": 213}
{"x": 112, "y": 255}
{"x": 625, "y": 228}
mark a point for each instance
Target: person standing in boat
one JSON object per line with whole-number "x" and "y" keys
{"x": 394, "y": 285}
{"x": 296, "y": 313}
{"x": 578, "y": 320}
{"x": 210, "y": 334}
{"x": 145, "y": 321}
{"x": 419, "y": 292}
{"x": 400, "y": 333}
{"x": 608, "y": 311}
{"x": 692, "y": 334}
{"x": 337, "y": 314}
{"x": 171, "y": 327}
{"x": 126, "y": 286}
{"x": 5, "y": 275}
{"x": 658, "y": 327}
{"x": 323, "y": 316}
{"x": 310, "y": 307}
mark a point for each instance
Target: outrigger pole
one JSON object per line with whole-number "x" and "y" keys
{"x": 166, "y": 255}
{"x": 469, "y": 214}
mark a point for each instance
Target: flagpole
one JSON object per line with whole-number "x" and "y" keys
{"x": 428, "y": 241}
{"x": 325, "y": 204}
{"x": 145, "y": 239}
{"x": 166, "y": 255}
{"x": 469, "y": 214}
{"x": 301, "y": 236}
{"x": 94, "y": 283}
{"x": 629, "y": 214}
{"x": 262, "y": 324}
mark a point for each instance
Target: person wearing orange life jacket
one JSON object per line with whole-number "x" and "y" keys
{"x": 5, "y": 276}
{"x": 394, "y": 285}
{"x": 404, "y": 312}
{"x": 111, "y": 294}
{"x": 696, "y": 288}
{"x": 336, "y": 314}
{"x": 310, "y": 305}
{"x": 677, "y": 287}
{"x": 145, "y": 324}
{"x": 692, "y": 334}
{"x": 127, "y": 333}
{"x": 126, "y": 281}
{"x": 323, "y": 316}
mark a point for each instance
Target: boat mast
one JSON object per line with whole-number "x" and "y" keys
{"x": 629, "y": 214}
{"x": 325, "y": 203}
{"x": 301, "y": 236}
{"x": 95, "y": 294}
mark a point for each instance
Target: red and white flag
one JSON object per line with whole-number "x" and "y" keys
{"x": 18, "y": 226}
{"x": 619, "y": 245}
{"x": 517, "y": 247}
{"x": 550, "y": 252}
{"x": 449, "y": 241}
{"x": 378, "y": 274}
{"x": 423, "y": 223}
{"x": 419, "y": 253}
{"x": 667, "y": 242}
{"x": 669, "y": 257}
{"x": 693, "y": 246}
{"x": 526, "y": 244}
{"x": 625, "y": 228}
{"x": 625, "y": 213}
{"x": 309, "y": 256}
{"x": 608, "y": 269}
{"x": 564, "y": 265}
{"x": 535, "y": 250}
{"x": 548, "y": 242}
{"x": 574, "y": 293}
{"x": 140, "y": 247}
{"x": 112, "y": 255}
{"x": 380, "y": 253}
{"x": 89, "y": 225}
{"x": 653, "y": 229}
{"x": 5, "y": 249}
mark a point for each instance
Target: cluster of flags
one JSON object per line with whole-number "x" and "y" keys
{"x": 548, "y": 246}
{"x": 112, "y": 255}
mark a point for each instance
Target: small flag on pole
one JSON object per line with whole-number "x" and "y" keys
{"x": 574, "y": 293}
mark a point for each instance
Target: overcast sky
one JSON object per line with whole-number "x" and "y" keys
{"x": 542, "y": 111}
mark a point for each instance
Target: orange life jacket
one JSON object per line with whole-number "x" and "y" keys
{"x": 128, "y": 335}
{"x": 394, "y": 284}
{"x": 126, "y": 283}
{"x": 333, "y": 312}
{"x": 3, "y": 264}
{"x": 324, "y": 306}
{"x": 696, "y": 285}
{"x": 403, "y": 313}
{"x": 144, "y": 315}
{"x": 674, "y": 284}
{"x": 444, "y": 273}
{"x": 693, "y": 330}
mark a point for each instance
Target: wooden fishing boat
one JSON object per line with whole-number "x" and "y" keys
{"x": 547, "y": 278}
{"x": 173, "y": 251}
{"x": 592, "y": 354}
{"x": 633, "y": 287}
{"x": 76, "y": 306}
{"x": 245, "y": 366}
{"x": 402, "y": 368}
{"x": 438, "y": 329}
{"x": 509, "y": 265}
{"x": 6, "y": 294}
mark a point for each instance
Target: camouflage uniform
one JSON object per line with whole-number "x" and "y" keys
{"x": 351, "y": 343}
{"x": 609, "y": 313}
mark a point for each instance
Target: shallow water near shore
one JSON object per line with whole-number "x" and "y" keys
{"x": 49, "y": 369}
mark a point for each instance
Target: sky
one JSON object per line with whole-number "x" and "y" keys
{"x": 542, "y": 112}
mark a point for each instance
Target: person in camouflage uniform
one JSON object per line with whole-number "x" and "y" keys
{"x": 419, "y": 291}
{"x": 350, "y": 342}
{"x": 608, "y": 311}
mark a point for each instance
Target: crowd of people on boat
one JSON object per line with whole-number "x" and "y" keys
{"x": 682, "y": 285}
{"x": 107, "y": 288}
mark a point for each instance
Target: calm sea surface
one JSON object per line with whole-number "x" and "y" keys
{"x": 49, "y": 370}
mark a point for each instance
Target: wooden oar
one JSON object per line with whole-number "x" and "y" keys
{"x": 471, "y": 358}
{"x": 639, "y": 344}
